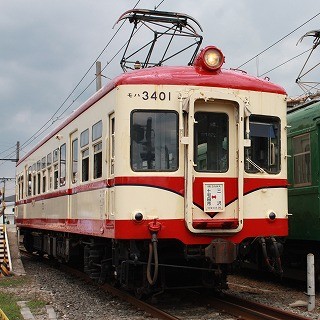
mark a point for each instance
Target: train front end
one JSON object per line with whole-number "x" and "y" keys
{"x": 203, "y": 172}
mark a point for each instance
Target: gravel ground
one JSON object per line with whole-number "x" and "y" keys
{"x": 73, "y": 299}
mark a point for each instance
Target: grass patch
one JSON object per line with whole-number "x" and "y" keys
{"x": 36, "y": 305}
{"x": 14, "y": 289}
{"x": 9, "y": 306}
{"x": 13, "y": 281}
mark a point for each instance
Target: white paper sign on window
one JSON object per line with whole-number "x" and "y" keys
{"x": 213, "y": 193}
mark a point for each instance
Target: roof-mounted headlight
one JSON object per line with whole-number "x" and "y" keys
{"x": 210, "y": 58}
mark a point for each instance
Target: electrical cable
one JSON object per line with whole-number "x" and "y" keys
{"x": 43, "y": 129}
{"x": 278, "y": 41}
{"x": 40, "y": 131}
{"x": 280, "y": 65}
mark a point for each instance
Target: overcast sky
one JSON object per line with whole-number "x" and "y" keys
{"x": 48, "y": 46}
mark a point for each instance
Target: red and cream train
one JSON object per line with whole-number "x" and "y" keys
{"x": 164, "y": 177}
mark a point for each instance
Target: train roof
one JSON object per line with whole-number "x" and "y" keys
{"x": 165, "y": 75}
{"x": 304, "y": 117}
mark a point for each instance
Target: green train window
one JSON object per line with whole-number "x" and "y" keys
{"x": 263, "y": 155}
{"x": 301, "y": 160}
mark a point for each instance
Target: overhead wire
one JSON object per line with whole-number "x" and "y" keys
{"x": 285, "y": 62}
{"x": 43, "y": 128}
{"x": 40, "y": 131}
{"x": 52, "y": 119}
{"x": 108, "y": 62}
{"x": 287, "y": 35}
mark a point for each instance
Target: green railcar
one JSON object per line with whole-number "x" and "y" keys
{"x": 304, "y": 185}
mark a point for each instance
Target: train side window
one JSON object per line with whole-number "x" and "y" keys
{"x": 85, "y": 164}
{"x": 97, "y": 161}
{"x": 301, "y": 160}
{"x": 74, "y": 160}
{"x": 211, "y": 141}
{"x": 44, "y": 181}
{"x": 154, "y": 140}
{"x": 112, "y": 144}
{"x": 21, "y": 186}
{"x": 29, "y": 181}
{"x": 55, "y": 176}
{"x": 97, "y": 130}
{"x": 84, "y": 138}
{"x": 55, "y": 155}
{"x": 264, "y": 153}
{"x": 49, "y": 159}
{"x": 39, "y": 183}
{"x": 63, "y": 165}
{"x": 34, "y": 183}
{"x": 43, "y": 162}
{"x": 50, "y": 178}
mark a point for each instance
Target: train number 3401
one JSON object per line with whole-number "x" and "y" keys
{"x": 146, "y": 95}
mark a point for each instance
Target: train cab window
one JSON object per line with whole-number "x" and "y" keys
{"x": 263, "y": 155}
{"x": 301, "y": 160}
{"x": 85, "y": 164}
{"x": 63, "y": 165}
{"x": 154, "y": 140}
{"x": 97, "y": 161}
{"x": 74, "y": 160}
{"x": 211, "y": 142}
{"x": 38, "y": 165}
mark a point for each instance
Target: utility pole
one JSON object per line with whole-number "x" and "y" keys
{"x": 98, "y": 76}
{"x": 18, "y": 151}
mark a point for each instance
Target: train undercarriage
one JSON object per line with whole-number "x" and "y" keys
{"x": 141, "y": 266}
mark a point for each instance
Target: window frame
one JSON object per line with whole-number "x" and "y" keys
{"x": 304, "y": 154}
{"x": 133, "y": 134}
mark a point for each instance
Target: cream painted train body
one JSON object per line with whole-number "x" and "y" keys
{"x": 165, "y": 174}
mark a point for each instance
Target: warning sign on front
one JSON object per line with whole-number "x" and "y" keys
{"x": 213, "y": 193}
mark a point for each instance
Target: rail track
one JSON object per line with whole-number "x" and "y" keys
{"x": 224, "y": 303}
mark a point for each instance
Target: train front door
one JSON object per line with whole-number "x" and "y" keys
{"x": 214, "y": 174}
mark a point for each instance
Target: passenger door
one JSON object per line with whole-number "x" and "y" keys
{"x": 214, "y": 176}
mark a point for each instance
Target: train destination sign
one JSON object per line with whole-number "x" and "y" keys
{"x": 213, "y": 196}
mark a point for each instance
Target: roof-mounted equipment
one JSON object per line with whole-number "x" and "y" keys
{"x": 163, "y": 25}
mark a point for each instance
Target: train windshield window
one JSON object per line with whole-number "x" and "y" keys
{"x": 301, "y": 160}
{"x": 154, "y": 141}
{"x": 211, "y": 141}
{"x": 264, "y": 153}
